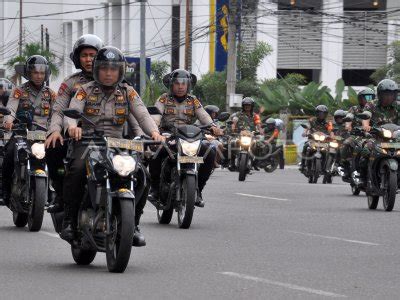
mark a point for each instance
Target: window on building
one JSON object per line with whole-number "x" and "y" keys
{"x": 362, "y": 5}
{"x": 90, "y": 26}
{"x": 299, "y": 4}
{"x": 357, "y": 77}
{"x": 309, "y": 74}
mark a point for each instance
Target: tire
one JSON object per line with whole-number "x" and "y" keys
{"x": 372, "y": 201}
{"x": 38, "y": 196}
{"x": 83, "y": 257}
{"x": 20, "y": 219}
{"x": 165, "y": 216}
{"x": 355, "y": 191}
{"x": 317, "y": 170}
{"x": 325, "y": 179}
{"x": 272, "y": 167}
{"x": 242, "y": 167}
{"x": 119, "y": 243}
{"x": 188, "y": 196}
{"x": 389, "y": 198}
{"x": 328, "y": 165}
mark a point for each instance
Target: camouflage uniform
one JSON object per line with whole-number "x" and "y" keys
{"x": 383, "y": 115}
{"x": 246, "y": 122}
{"x": 352, "y": 144}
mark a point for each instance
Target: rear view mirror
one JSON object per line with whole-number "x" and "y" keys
{"x": 20, "y": 69}
{"x": 304, "y": 126}
{"x": 153, "y": 110}
{"x": 5, "y": 111}
{"x": 366, "y": 115}
{"x": 223, "y": 116}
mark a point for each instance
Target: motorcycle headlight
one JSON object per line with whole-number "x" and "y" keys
{"x": 386, "y": 133}
{"x": 245, "y": 140}
{"x": 38, "y": 150}
{"x": 124, "y": 164}
{"x": 190, "y": 148}
{"x": 334, "y": 144}
{"x": 316, "y": 136}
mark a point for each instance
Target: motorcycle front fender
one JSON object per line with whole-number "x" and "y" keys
{"x": 392, "y": 164}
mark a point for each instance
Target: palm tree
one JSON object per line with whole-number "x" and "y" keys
{"x": 34, "y": 49}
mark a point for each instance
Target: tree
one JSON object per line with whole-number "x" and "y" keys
{"x": 211, "y": 89}
{"x": 391, "y": 70}
{"x": 154, "y": 85}
{"x": 35, "y": 49}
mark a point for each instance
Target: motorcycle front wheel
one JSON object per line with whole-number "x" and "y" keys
{"x": 119, "y": 241}
{"x": 83, "y": 257}
{"x": 188, "y": 196}
{"x": 242, "y": 167}
{"x": 38, "y": 195}
{"x": 389, "y": 197}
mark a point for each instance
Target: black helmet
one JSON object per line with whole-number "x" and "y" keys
{"x": 112, "y": 57}
{"x": 85, "y": 41}
{"x": 367, "y": 94}
{"x": 36, "y": 63}
{"x": 210, "y": 109}
{"x": 180, "y": 75}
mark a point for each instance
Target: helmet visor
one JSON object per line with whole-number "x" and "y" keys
{"x": 181, "y": 80}
{"x": 109, "y": 73}
{"x": 38, "y": 73}
{"x": 369, "y": 97}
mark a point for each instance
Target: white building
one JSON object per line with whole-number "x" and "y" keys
{"x": 322, "y": 39}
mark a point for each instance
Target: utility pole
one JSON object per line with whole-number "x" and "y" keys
{"x": 142, "y": 47}
{"x": 41, "y": 37}
{"x": 175, "y": 34}
{"x": 20, "y": 27}
{"x": 48, "y": 49}
{"x": 188, "y": 35}
{"x": 232, "y": 53}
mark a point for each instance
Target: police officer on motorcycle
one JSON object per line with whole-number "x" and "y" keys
{"x": 30, "y": 102}
{"x": 107, "y": 102}
{"x": 82, "y": 55}
{"x": 178, "y": 106}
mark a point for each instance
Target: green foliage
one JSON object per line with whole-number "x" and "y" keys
{"x": 211, "y": 89}
{"x": 285, "y": 94}
{"x": 35, "y": 49}
{"x": 249, "y": 61}
{"x": 154, "y": 84}
{"x": 391, "y": 70}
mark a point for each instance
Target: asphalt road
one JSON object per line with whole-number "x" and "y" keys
{"x": 274, "y": 236}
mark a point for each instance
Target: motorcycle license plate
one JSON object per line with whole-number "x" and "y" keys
{"x": 36, "y": 135}
{"x": 190, "y": 160}
{"x": 125, "y": 144}
{"x": 390, "y": 145}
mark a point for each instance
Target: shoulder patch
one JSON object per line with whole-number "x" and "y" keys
{"x": 62, "y": 89}
{"x": 81, "y": 94}
{"x": 197, "y": 103}
{"x": 17, "y": 93}
{"x": 133, "y": 95}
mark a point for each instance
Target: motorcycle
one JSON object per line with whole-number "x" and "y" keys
{"x": 179, "y": 172}
{"x": 243, "y": 159}
{"x": 316, "y": 155}
{"x": 106, "y": 215}
{"x": 266, "y": 155}
{"x": 29, "y": 191}
{"x": 333, "y": 159}
{"x": 382, "y": 178}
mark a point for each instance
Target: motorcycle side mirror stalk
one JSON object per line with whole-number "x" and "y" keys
{"x": 75, "y": 114}
{"x": 304, "y": 126}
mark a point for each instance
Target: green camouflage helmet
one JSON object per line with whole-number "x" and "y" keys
{"x": 340, "y": 113}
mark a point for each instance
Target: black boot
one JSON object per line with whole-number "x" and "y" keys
{"x": 56, "y": 207}
{"x": 138, "y": 238}
{"x": 67, "y": 231}
{"x": 199, "y": 200}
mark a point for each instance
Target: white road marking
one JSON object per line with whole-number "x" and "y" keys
{"x": 263, "y": 197}
{"x": 335, "y": 238}
{"x": 283, "y": 284}
{"x": 54, "y": 235}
